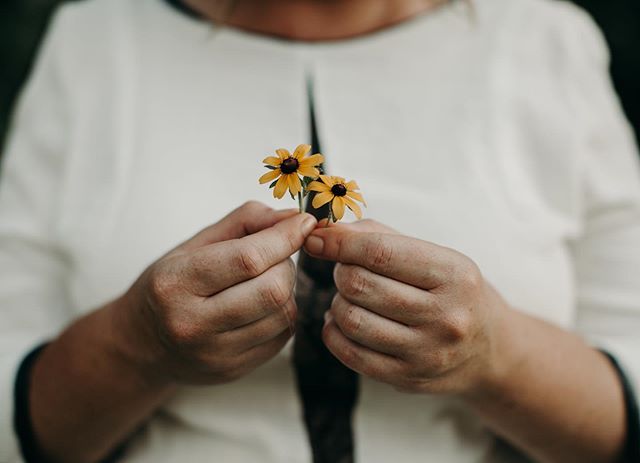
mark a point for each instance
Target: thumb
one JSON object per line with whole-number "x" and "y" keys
{"x": 363, "y": 226}
{"x": 250, "y": 218}
{"x": 325, "y": 242}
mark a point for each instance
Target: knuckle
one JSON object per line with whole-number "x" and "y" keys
{"x": 457, "y": 327}
{"x": 182, "y": 333}
{"x": 290, "y": 313}
{"x": 294, "y": 238}
{"x": 253, "y": 206}
{"x": 351, "y": 321}
{"x": 470, "y": 276}
{"x": 276, "y": 294}
{"x": 435, "y": 365}
{"x": 350, "y": 356}
{"x": 369, "y": 222}
{"x": 379, "y": 252}
{"x": 222, "y": 364}
{"x": 409, "y": 385}
{"x": 250, "y": 261}
{"x": 352, "y": 280}
{"x": 163, "y": 284}
{"x": 230, "y": 318}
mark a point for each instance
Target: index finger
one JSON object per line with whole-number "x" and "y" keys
{"x": 218, "y": 266}
{"x": 410, "y": 260}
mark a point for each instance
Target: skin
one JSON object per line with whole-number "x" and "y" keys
{"x": 409, "y": 313}
{"x": 208, "y": 312}
{"x": 312, "y": 20}
{"x": 422, "y": 318}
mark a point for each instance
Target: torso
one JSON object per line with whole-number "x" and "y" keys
{"x": 429, "y": 127}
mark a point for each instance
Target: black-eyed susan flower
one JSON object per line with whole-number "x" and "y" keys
{"x": 339, "y": 193}
{"x": 287, "y": 168}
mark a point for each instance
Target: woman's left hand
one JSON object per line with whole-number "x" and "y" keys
{"x": 409, "y": 313}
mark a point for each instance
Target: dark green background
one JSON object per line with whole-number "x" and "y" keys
{"x": 23, "y": 21}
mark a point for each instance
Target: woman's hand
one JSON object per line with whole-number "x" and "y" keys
{"x": 208, "y": 312}
{"x": 222, "y": 303}
{"x": 408, "y": 312}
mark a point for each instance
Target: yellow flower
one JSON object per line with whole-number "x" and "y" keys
{"x": 287, "y": 168}
{"x": 339, "y": 193}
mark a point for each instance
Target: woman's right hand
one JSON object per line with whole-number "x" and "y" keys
{"x": 220, "y": 304}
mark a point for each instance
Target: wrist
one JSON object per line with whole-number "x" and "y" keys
{"x": 134, "y": 341}
{"x": 506, "y": 353}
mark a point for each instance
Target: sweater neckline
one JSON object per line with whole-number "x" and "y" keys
{"x": 187, "y": 12}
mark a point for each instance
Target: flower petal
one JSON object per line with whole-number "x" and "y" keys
{"x": 283, "y": 153}
{"x": 351, "y": 204}
{"x": 321, "y": 199}
{"x": 328, "y": 180}
{"x": 357, "y": 196}
{"x": 308, "y": 171}
{"x": 301, "y": 151}
{"x": 272, "y": 161}
{"x": 352, "y": 185}
{"x": 281, "y": 187}
{"x": 337, "y": 206}
{"x": 294, "y": 184}
{"x": 272, "y": 174}
{"x": 314, "y": 160}
{"x": 318, "y": 186}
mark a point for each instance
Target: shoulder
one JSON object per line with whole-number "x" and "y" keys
{"x": 557, "y": 31}
{"x": 89, "y": 16}
{"x": 84, "y": 31}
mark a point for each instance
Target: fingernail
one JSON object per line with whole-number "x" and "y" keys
{"x": 308, "y": 224}
{"x": 314, "y": 245}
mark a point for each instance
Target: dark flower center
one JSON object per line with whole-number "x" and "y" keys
{"x": 289, "y": 165}
{"x": 339, "y": 189}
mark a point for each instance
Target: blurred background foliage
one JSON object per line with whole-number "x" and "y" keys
{"x": 22, "y": 23}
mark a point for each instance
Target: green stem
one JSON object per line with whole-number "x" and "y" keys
{"x": 330, "y": 217}
{"x": 300, "y": 201}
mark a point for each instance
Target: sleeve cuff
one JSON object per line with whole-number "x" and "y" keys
{"x": 631, "y": 453}
{"x": 22, "y": 414}
{"x": 11, "y": 358}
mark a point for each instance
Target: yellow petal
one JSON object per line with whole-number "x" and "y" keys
{"x": 357, "y": 196}
{"x": 281, "y": 187}
{"x": 337, "y": 206}
{"x": 321, "y": 199}
{"x": 352, "y": 185}
{"x": 308, "y": 171}
{"x": 314, "y": 160}
{"x": 272, "y": 161}
{"x": 328, "y": 180}
{"x": 301, "y": 151}
{"x": 294, "y": 184}
{"x": 272, "y": 174}
{"x": 351, "y": 204}
{"x": 318, "y": 186}
{"x": 283, "y": 153}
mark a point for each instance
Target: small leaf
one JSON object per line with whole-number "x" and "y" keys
{"x": 271, "y": 167}
{"x": 273, "y": 183}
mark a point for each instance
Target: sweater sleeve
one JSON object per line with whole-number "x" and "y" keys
{"x": 33, "y": 267}
{"x": 607, "y": 252}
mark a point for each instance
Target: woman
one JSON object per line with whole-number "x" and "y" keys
{"x": 495, "y": 134}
